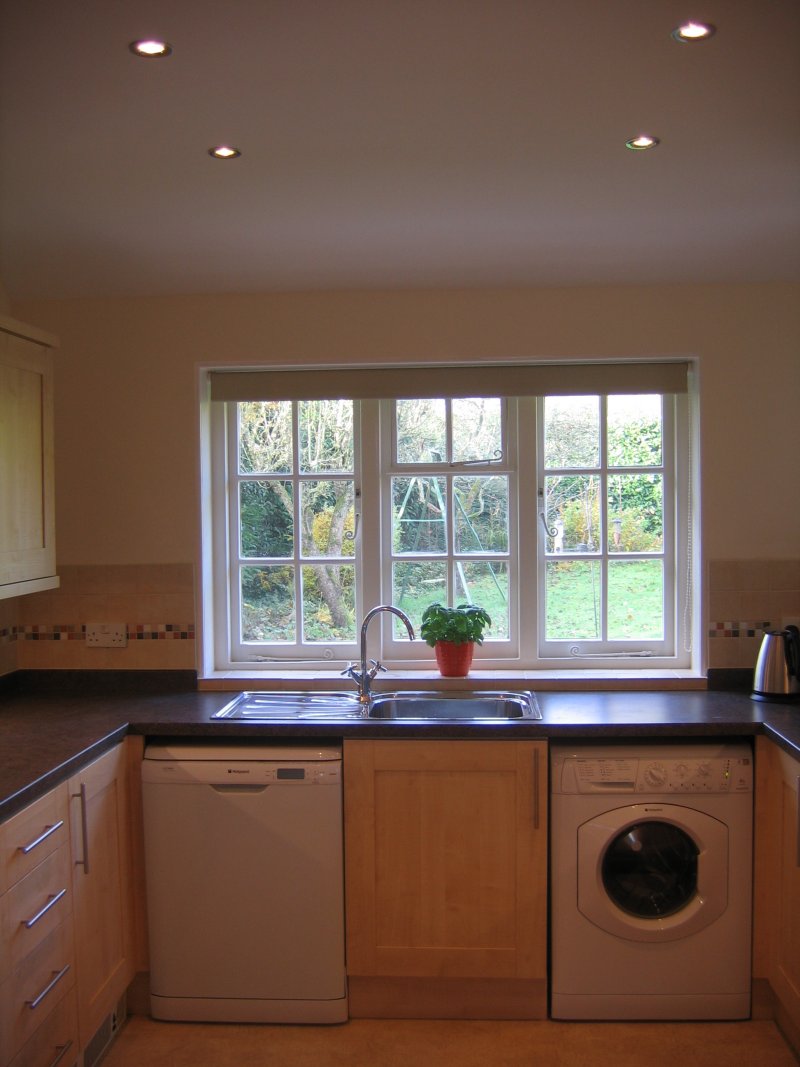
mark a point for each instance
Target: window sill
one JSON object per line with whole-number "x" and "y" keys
{"x": 542, "y": 681}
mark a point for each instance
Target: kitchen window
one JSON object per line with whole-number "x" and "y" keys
{"x": 566, "y": 515}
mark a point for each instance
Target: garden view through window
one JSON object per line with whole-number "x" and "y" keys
{"x": 556, "y": 515}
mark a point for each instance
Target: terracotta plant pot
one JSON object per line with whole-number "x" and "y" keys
{"x": 454, "y": 661}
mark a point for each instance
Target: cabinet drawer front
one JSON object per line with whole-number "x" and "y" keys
{"x": 30, "y": 836}
{"x": 56, "y": 1040}
{"x": 35, "y": 906}
{"x": 33, "y": 990}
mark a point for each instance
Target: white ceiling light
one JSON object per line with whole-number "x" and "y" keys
{"x": 642, "y": 142}
{"x": 224, "y": 151}
{"x": 694, "y": 31}
{"x": 150, "y": 48}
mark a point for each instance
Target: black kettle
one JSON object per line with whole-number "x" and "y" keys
{"x": 777, "y": 675}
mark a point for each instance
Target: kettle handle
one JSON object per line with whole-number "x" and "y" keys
{"x": 793, "y": 650}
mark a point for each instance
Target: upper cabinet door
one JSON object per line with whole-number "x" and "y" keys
{"x": 27, "y": 505}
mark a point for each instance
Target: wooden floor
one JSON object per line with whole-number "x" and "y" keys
{"x": 402, "y": 1043}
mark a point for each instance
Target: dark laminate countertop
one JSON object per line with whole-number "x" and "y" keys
{"x": 49, "y": 731}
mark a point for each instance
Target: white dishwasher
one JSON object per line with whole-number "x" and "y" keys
{"x": 245, "y": 894}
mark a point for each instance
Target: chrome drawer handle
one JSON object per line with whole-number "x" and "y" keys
{"x": 61, "y": 1051}
{"x": 48, "y": 830}
{"x": 57, "y": 976}
{"x": 84, "y": 829}
{"x": 536, "y": 813}
{"x": 52, "y": 900}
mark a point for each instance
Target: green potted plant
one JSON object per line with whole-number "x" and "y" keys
{"x": 453, "y": 633}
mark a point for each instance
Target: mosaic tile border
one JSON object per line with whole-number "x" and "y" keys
{"x": 742, "y": 628}
{"x": 165, "y": 631}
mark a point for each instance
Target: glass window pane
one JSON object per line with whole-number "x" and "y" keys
{"x": 636, "y": 599}
{"x": 635, "y": 513}
{"x": 572, "y": 431}
{"x": 421, "y": 431}
{"x": 485, "y": 583}
{"x": 477, "y": 431}
{"x": 267, "y": 597}
{"x": 573, "y": 598}
{"x": 418, "y": 515}
{"x": 266, "y": 519}
{"x": 329, "y": 603}
{"x": 634, "y": 431}
{"x": 326, "y": 436}
{"x": 480, "y": 506}
{"x": 414, "y": 587}
{"x": 265, "y": 437}
{"x": 572, "y": 510}
{"x": 327, "y": 516}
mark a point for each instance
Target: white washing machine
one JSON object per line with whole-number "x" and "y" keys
{"x": 651, "y": 881}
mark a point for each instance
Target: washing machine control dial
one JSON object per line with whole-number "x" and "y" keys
{"x": 655, "y": 775}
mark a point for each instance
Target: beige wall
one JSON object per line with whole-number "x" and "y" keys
{"x": 126, "y": 421}
{"x": 126, "y": 435}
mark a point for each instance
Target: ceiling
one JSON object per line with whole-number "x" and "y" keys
{"x": 395, "y": 143}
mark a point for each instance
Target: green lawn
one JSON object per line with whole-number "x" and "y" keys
{"x": 635, "y": 609}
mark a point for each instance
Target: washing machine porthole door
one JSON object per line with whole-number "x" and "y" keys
{"x": 620, "y": 900}
{"x": 650, "y": 869}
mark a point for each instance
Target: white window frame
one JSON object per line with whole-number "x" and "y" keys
{"x": 373, "y": 437}
{"x": 613, "y": 652}
{"x": 308, "y": 654}
{"x": 495, "y": 651}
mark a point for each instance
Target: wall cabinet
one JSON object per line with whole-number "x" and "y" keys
{"x": 446, "y": 875}
{"x": 777, "y": 882}
{"x": 27, "y": 506}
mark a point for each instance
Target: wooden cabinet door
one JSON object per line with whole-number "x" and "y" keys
{"x": 777, "y": 881}
{"x": 445, "y": 846}
{"x": 27, "y": 514}
{"x": 101, "y": 882}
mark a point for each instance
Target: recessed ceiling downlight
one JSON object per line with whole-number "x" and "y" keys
{"x": 642, "y": 142}
{"x": 224, "y": 151}
{"x": 150, "y": 48}
{"x": 693, "y": 31}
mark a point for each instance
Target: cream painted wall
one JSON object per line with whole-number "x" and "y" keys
{"x": 126, "y": 418}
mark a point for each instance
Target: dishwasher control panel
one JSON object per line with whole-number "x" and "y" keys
{"x": 242, "y": 765}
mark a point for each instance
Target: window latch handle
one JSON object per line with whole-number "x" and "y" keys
{"x": 547, "y": 530}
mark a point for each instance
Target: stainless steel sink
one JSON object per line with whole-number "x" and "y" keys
{"x": 454, "y": 706}
{"x": 430, "y": 706}
{"x": 274, "y": 706}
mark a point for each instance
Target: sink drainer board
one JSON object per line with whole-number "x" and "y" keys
{"x": 289, "y": 705}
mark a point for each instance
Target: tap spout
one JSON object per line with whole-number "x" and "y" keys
{"x": 364, "y": 674}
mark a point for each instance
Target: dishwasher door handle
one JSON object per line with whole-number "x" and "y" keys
{"x": 239, "y": 788}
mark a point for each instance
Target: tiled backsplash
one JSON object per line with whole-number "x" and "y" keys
{"x": 155, "y": 602}
{"x": 745, "y": 598}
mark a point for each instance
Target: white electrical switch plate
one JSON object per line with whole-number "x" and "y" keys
{"x": 106, "y": 634}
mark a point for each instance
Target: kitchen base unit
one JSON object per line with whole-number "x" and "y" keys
{"x": 245, "y": 895}
{"x": 446, "y": 879}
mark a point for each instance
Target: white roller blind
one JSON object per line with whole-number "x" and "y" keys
{"x": 452, "y": 380}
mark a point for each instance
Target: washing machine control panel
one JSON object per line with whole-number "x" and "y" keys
{"x": 654, "y": 774}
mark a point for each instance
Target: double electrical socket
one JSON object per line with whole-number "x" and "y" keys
{"x": 106, "y": 635}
